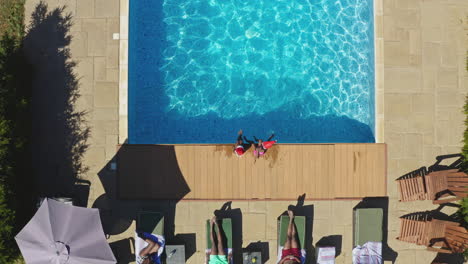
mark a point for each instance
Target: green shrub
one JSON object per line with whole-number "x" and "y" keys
{"x": 462, "y": 213}
{"x": 13, "y": 105}
{"x": 465, "y": 137}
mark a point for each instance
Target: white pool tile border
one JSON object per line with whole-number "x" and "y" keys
{"x": 378, "y": 56}
{"x": 379, "y": 72}
{"x": 123, "y": 72}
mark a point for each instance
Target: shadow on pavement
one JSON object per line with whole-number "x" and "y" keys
{"x": 262, "y": 247}
{"x": 142, "y": 178}
{"x": 124, "y": 250}
{"x": 331, "y": 241}
{"x": 59, "y": 128}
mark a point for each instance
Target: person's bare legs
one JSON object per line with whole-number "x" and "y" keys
{"x": 150, "y": 248}
{"x": 239, "y": 137}
{"x": 292, "y": 231}
{"x": 214, "y": 250}
{"x": 220, "y": 239}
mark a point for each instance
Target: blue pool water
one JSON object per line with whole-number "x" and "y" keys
{"x": 200, "y": 70}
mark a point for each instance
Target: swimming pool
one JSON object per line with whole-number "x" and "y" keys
{"x": 200, "y": 70}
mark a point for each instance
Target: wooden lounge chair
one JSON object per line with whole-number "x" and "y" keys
{"x": 437, "y": 235}
{"x": 440, "y": 186}
{"x": 446, "y": 186}
{"x": 283, "y": 223}
{"x": 411, "y": 186}
{"x": 226, "y": 224}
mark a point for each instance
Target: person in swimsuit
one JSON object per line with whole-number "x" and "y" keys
{"x": 149, "y": 254}
{"x": 262, "y": 146}
{"x": 291, "y": 253}
{"x": 239, "y": 148}
{"x": 217, "y": 254}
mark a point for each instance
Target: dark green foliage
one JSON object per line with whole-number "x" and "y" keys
{"x": 465, "y": 137}
{"x": 14, "y": 121}
{"x": 462, "y": 213}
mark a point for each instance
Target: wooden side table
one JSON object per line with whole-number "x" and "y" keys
{"x": 175, "y": 254}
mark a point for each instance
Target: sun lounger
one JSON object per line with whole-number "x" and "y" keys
{"x": 226, "y": 224}
{"x": 300, "y": 222}
{"x": 367, "y": 235}
{"x": 152, "y": 223}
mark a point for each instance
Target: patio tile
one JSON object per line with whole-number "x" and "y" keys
{"x": 100, "y": 69}
{"x": 85, "y": 8}
{"x": 79, "y": 44}
{"x": 254, "y": 226}
{"x": 106, "y": 8}
{"x": 106, "y": 94}
{"x": 96, "y": 29}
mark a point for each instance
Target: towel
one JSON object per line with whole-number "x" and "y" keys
{"x": 280, "y": 252}
{"x": 369, "y": 253}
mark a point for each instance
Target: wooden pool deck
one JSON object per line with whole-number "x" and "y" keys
{"x": 212, "y": 172}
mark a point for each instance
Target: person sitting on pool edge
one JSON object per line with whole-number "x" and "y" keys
{"x": 217, "y": 254}
{"x": 262, "y": 146}
{"x": 291, "y": 253}
{"x": 239, "y": 148}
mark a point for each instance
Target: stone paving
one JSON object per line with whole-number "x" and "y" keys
{"x": 423, "y": 47}
{"x": 425, "y": 79}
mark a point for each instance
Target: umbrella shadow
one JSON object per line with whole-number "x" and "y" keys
{"x": 142, "y": 178}
{"x": 124, "y": 250}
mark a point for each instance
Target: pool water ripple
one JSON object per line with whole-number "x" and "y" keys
{"x": 240, "y": 58}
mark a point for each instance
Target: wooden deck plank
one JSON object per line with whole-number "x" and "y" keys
{"x": 339, "y": 170}
{"x": 222, "y": 177}
{"x": 204, "y": 188}
{"x": 292, "y": 172}
{"x": 235, "y": 177}
{"x": 241, "y": 176}
{"x": 321, "y": 171}
{"x": 215, "y": 174}
{"x": 331, "y": 169}
{"x": 381, "y": 169}
{"x": 248, "y": 177}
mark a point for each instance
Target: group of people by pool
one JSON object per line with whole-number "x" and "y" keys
{"x": 260, "y": 147}
{"x": 290, "y": 254}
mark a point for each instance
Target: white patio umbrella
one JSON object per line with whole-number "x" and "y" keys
{"x": 59, "y": 233}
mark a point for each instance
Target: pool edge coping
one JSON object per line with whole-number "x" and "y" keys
{"x": 123, "y": 71}
{"x": 378, "y": 72}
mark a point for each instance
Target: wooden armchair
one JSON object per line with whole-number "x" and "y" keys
{"x": 437, "y": 235}
{"x": 447, "y": 183}
{"x": 440, "y": 186}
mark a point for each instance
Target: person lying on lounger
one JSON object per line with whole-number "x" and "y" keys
{"x": 149, "y": 254}
{"x": 217, "y": 254}
{"x": 291, "y": 253}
